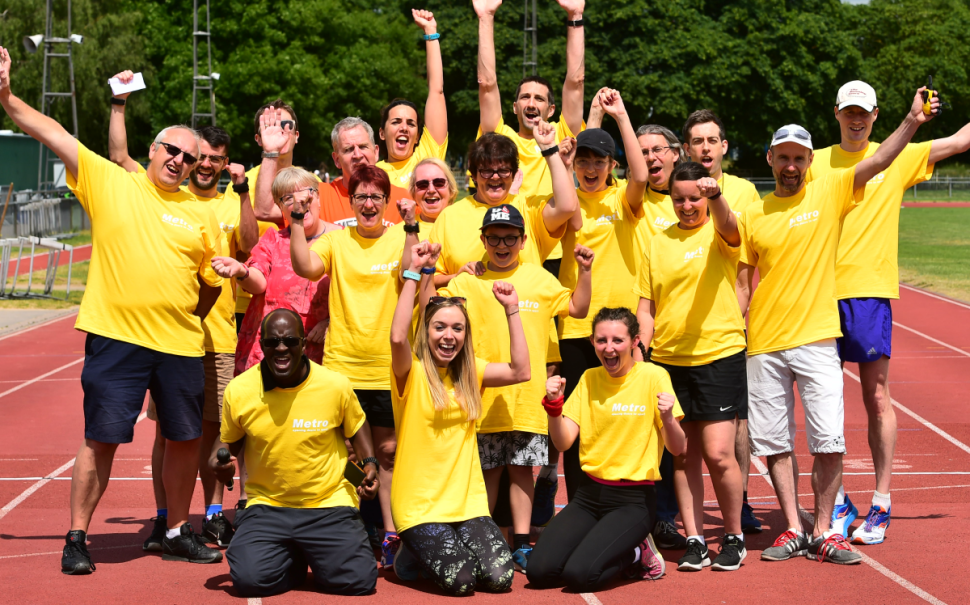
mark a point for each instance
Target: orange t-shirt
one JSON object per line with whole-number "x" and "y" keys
{"x": 335, "y": 204}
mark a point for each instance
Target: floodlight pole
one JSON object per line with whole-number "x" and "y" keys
{"x": 530, "y": 23}
{"x": 49, "y": 96}
{"x": 202, "y": 83}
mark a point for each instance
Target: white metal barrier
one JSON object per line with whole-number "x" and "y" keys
{"x": 53, "y": 252}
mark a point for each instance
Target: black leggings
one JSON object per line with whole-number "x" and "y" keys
{"x": 593, "y": 539}
{"x": 578, "y": 355}
{"x": 461, "y": 557}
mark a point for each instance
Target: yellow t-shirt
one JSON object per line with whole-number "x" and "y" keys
{"x": 427, "y": 147}
{"x": 658, "y": 214}
{"x": 364, "y": 288}
{"x": 294, "y": 450}
{"x": 690, "y": 276}
{"x": 149, "y": 247}
{"x": 619, "y": 422}
{"x": 541, "y": 297}
{"x": 609, "y": 227}
{"x": 437, "y": 473}
{"x": 793, "y": 243}
{"x": 459, "y": 228}
{"x": 220, "y": 323}
{"x": 738, "y": 192}
{"x": 867, "y": 263}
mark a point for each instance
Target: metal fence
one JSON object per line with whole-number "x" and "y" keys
{"x": 27, "y": 255}
{"x": 932, "y": 188}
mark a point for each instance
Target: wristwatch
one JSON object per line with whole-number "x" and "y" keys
{"x": 117, "y": 101}
{"x": 271, "y": 154}
{"x": 576, "y": 23}
{"x": 415, "y": 228}
{"x": 408, "y": 274}
{"x": 297, "y": 215}
{"x": 550, "y": 152}
{"x": 242, "y": 187}
{"x": 369, "y": 460}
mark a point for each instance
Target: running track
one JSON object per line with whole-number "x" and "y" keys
{"x": 921, "y": 562}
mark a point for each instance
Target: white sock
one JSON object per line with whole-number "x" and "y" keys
{"x": 825, "y": 535}
{"x": 881, "y": 500}
{"x": 840, "y": 497}
{"x": 171, "y": 534}
{"x": 699, "y": 539}
{"x": 798, "y": 532}
{"x": 738, "y": 536}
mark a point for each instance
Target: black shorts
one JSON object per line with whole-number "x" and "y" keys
{"x": 714, "y": 391}
{"x": 377, "y": 407}
{"x": 115, "y": 378}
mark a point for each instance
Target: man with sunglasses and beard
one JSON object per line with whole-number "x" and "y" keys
{"x": 141, "y": 310}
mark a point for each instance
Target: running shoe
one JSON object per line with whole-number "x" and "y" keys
{"x": 843, "y": 516}
{"x": 389, "y": 549}
{"x": 650, "y": 565}
{"x": 749, "y": 523}
{"x": 76, "y": 560}
{"x": 731, "y": 555}
{"x": 788, "y": 545}
{"x": 667, "y": 537}
{"x": 217, "y": 530}
{"x": 189, "y": 547}
{"x": 833, "y": 549}
{"x": 154, "y": 541}
{"x": 521, "y": 558}
{"x": 544, "y": 503}
{"x": 406, "y": 566}
{"x": 696, "y": 558}
{"x": 873, "y": 531}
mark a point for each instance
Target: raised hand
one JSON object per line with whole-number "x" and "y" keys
{"x": 125, "y": 77}
{"x": 574, "y": 8}
{"x": 584, "y": 257}
{"x": 486, "y": 7}
{"x": 555, "y": 388}
{"x": 708, "y": 188}
{"x": 506, "y": 295}
{"x": 406, "y": 209}
{"x": 425, "y": 20}
{"x": 665, "y": 402}
{"x": 424, "y": 254}
{"x": 917, "y": 109}
{"x": 476, "y": 267}
{"x": 271, "y": 134}
{"x": 612, "y": 102}
{"x": 567, "y": 151}
{"x": 237, "y": 172}
{"x": 228, "y": 267}
{"x": 545, "y": 134}
{"x": 5, "y": 63}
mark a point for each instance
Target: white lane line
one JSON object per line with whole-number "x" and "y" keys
{"x": 769, "y": 499}
{"x": 41, "y": 377}
{"x": 57, "y": 552}
{"x": 931, "y": 295}
{"x": 930, "y": 338}
{"x": 67, "y": 379}
{"x": 590, "y": 598}
{"x": 254, "y": 601}
{"x": 40, "y": 325}
{"x": 920, "y": 419}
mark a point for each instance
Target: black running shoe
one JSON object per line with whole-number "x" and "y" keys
{"x": 696, "y": 558}
{"x": 218, "y": 530}
{"x": 749, "y": 523}
{"x": 731, "y": 555}
{"x": 667, "y": 537}
{"x": 76, "y": 560}
{"x": 154, "y": 541}
{"x": 189, "y": 547}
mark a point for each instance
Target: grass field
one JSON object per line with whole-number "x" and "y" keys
{"x": 79, "y": 276}
{"x": 934, "y": 250}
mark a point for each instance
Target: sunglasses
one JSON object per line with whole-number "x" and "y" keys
{"x": 274, "y": 342}
{"x": 187, "y": 158}
{"x": 215, "y": 159}
{"x": 285, "y": 123}
{"x": 502, "y": 173}
{"x": 798, "y": 134}
{"x": 423, "y": 184}
{"x": 440, "y": 300}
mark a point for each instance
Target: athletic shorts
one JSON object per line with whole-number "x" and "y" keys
{"x": 116, "y": 376}
{"x": 377, "y": 407}
{"x": 218, "y": 372}
{"x": 867, "y": 329}
{"x": 713, "y": 391}
{"x": 517, "y": 448}
{"x": 771, "y": 399}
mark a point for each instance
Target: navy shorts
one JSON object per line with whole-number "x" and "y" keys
{"x": 377, "y": 407}
{"x": 867, "y": 329}
{"x": 116, "y": 377}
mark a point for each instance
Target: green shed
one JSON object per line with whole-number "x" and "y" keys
{"x": 18, "y": 160}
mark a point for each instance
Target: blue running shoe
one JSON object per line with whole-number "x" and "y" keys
{"x": 749, "y": 523}
{"x": 843, "y": 516}
{"x": 544, "y": 503}
{"x": 873, "y": 531}
{"x": 521, "y": 558}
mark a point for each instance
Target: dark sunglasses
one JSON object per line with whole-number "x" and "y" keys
{"x": 215, "y": 159}
{"x": 423, "y": 184}
{"x": 274, "y": 342}
{"x": 187, "y": 158}
{"x": 285, "y": 123}
{"x": 440, "y": 300}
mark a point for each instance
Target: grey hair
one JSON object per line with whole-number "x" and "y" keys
{"x": 349, "y": 124}
{"x": 195, "y": 133}
{"x": 666, "y": 133}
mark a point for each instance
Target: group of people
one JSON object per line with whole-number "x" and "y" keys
{"x": 389, "y": 366}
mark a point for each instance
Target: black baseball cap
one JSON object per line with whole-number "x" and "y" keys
{"x": 504, "y": 216}
{"x": 597, "y": 140}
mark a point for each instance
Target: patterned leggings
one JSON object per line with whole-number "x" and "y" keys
{"x": 462, "y": 556}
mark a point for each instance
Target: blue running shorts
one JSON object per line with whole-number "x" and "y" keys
{"x": 867, "y": 329}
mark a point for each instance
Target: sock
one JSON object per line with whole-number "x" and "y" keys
{"x": 825, "y": 535}
{"x": 745, "y": 497}
{"x": 698, "y": 538}
{"x": 738, "y": 536}
{"x": 171, "y": 534}
{"x": 840, "y": 497}
{"x": 162, "y": 512}
{"x": 211, "y": 510}
{"x": 550, "y": 471}
{"x": 798, "y": 532}
{"x": 881, "y": 500}
{"x": 520, "y": 540}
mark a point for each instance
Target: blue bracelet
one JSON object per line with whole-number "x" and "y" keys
{"x": 430, "y": 37}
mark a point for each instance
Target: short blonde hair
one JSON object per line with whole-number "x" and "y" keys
{"x": 452, "y": 184}
{"x": 290, "y": 179}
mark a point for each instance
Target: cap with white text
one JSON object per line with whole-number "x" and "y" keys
{"x": 503, "y": 216}
{"x": 856, "y": 93}
{"x": 792, "y": 133}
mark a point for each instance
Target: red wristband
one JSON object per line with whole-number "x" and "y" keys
{"x": 553, "y": 408}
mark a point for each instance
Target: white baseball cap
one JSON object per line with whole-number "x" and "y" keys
{"x": 792, "y": 133}
{"x": 857, "y": 93}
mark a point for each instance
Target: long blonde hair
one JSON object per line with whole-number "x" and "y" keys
{"x": 462, "y": 370}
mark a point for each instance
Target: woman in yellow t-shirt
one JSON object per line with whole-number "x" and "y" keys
{"x": 689, "y": 311}
{"x": 439, "y": 500}
{"x": 623, "y": 413}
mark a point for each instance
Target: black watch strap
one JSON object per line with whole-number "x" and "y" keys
{"x": 551, "y": 151}
{"x": 297, "y": 215}
{"x": 117, "y": 101}
{"x": 576, "y": 23}
{"x": 370, "y": 460}
{"x": 242, "y": 187}
{"x": 415, "y": 228}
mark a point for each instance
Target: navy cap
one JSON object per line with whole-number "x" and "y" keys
{"x": 505, "y": 216}
{"x": 598, "y": 140}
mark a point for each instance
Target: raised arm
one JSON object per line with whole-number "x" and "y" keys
{"x": 407, "y": 209}
{"x": 572, "y": 87}
{"x": 596, "y": 113}
{"x": 744, "y": 286}
{"x": 564, "y": 202}
{"x": 250, "y": 279}
{"x": 306, "y": 264}
{"x": 579, "y": 301}
{"x": 646, "y": 312}
{"x": 891, "y": 147}
{"x": 117, "y": 133}
{"x": 435, "y": 108}
{"x": 562, "y": 431}
{"x": 636, "y": 163}
{"x": 725, "y": 221}
{"x": 423, "y": 255}
{"x": 248, "y": 234}
{"x": 34, "y": 123}
{"x": 941, "y": 149}
{"x": 518, "y": 370}
{"x": 489, "y": 100}
{"x": 273, "y": 140}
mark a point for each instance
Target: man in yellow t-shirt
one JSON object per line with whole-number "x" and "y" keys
{"x": 791, "y": 237}
{"x": 142, "y": 312}
{"x": 867, "y": 279}
{"x": 290, "y": 416}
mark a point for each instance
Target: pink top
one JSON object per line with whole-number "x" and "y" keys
{"x": 284, "y": 290}
{"x": 621, "y": 482}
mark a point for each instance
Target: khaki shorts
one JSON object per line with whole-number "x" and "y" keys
{"x": 218, "y": 372}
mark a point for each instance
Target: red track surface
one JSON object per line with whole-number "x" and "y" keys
{"x": 81, "y": 253}
{"x": 921, "y": 561}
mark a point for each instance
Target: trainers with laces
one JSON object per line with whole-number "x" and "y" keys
{"x": 544, "y": 502}
{"x": 843, "y": 516}
{"x": 650, "y": 565}
{"x": 389, "y": 549}
{"x": 154, "y": 541}
{"x": 788, "y": 545}
{"x": 520, "y": 558}
{"x": 873, "y": 531}
{"x": 833, "y": 549}
{"x": 76, "y": 559}
{"x": 189, "y": 547}
{"x": 217, "y": 530}
{"x": 749, "y": 523}
{"x": 696, "y": 558}
{"x": 667, "y": 537}
{"x": 731, "y": 555}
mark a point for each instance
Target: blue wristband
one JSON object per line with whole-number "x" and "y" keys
{"x": 408, "y": 274}
{"x": 428, "y": 271}
{"x": 430, "y": 37}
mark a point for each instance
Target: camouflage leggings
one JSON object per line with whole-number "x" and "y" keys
{"x": 462, "y": 556}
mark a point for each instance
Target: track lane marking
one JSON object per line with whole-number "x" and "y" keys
{"x": 41, "y": 377}
{"x": 931, "y": 295}
{"x": 930, "y": 338}
{"x": 590, "y": 598}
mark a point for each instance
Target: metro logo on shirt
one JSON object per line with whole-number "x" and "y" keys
{"x": 632, "y": 409}
{"x": 177, "y": 222}
{"x": 699, "y": 253}
{"x": 803, "y": 219}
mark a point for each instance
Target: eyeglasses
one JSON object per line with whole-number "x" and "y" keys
{"x": 361, "y": 198}
{"x": 657, "y": 151}
{"x": 440, "y": 300}
{"x": 798, "y": 134}
{"x": 285, "y": 123}
{"x": 273, "y": 342}
{"x": 288, "y": 199}
{"x": 214, "y": 159}
{"x": 423, "y": 184}
{"x": 187, "y": 158}
{"x": 508, "y": 240}
{"x": 502, "y": 173}
{"x": 585, "y": 163}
